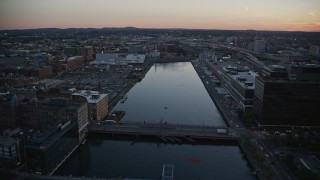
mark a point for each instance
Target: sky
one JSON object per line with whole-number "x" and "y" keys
{"x": 288, "y": 15}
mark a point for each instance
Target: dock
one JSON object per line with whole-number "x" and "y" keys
{"x": 116, "y": 115}
{"x": 167, "y": 172}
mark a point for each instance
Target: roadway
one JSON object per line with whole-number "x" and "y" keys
{"x": 278, "y": 168}
{"x": 162, "y": 129}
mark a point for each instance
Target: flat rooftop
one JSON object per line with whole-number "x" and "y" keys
{"x": 8, "y": 141}
{"x": 91, "y": 96}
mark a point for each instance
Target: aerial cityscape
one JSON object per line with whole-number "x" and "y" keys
{"x": 159, "y": 89}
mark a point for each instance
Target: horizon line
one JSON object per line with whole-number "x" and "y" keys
{"x": 176, "y": 28}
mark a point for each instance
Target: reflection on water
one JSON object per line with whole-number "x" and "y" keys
{"x": 177, "y": 87}
{"x": 144, "y": 159}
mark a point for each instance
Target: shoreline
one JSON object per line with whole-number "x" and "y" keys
{"x": 114, "y": 101}
{"x": 217, "y": 104}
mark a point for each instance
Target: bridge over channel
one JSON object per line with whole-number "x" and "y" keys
{"x": 165, "y": 130}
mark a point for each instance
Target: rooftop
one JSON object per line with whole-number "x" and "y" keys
{"x": 45, "y": 140}
{"x": 276, "y": 68}
{"x": 135, "y": 58}
{"x": 49, "y": 82}
{"x": 8, "y": 141}
{"x": 91, "y": 96}
{"x": 109, "y": 58}
{"x": 73, "y": 58}
{"x": 246, "y": 79}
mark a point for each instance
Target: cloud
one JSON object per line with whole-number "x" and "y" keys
{"x": 313, "y": 12}
{"x": 245, "y": 8}
{"x": 263, "y": 15}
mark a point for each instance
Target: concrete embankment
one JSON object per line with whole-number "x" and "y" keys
{"x": 225, "y": 117}
{"x": 113, "y": 102}
{"x": 212, "y": 95}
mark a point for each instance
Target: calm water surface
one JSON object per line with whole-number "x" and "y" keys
{"x": 178, "y": 87}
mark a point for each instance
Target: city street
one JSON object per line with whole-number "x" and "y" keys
{"x": 279, "y": 172}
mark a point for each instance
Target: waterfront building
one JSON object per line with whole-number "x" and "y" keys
{"x": 51, "y": 111}
{"x": 46, "y": 151}
{"x": 135, "y": 59}
{"x": 97, "y": 103}
{"x": 240, "y": 85}
{"x": 114, "y": 59}
{"x": 238, "y": 81}
{"x": 8, "y": 109}
{"x": 293, "y": 101}
{"x": 10, "y": 152}
{"x": 153, "y": 55}
{"x": 110, "y": 59}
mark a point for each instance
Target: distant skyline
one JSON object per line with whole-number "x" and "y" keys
{"x": 284, "y": 15}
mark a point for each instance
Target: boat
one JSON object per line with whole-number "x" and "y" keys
{"x": 123, "y": 100}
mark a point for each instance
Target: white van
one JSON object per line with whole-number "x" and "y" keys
{"x": 110, "y": 122}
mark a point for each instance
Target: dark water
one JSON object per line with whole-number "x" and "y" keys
{"x": 177, "y": 87}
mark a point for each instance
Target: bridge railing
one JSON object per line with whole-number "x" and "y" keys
{"x": 167, "y": 124}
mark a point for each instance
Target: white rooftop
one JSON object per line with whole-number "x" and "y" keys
{"x": 249, "y": 76}
{"x": 92, "y": 97}
{"x": 73, "y": 58}
{"x": 135, "y": 58}
{"x": 109, "y": 58}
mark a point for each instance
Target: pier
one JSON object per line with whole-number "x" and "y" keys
{"x": 164, "y": 131}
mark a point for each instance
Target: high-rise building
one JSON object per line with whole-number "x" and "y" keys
{"x": 287, "y": 102}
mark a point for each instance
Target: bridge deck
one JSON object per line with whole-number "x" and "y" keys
{"x": 160, "y": 129}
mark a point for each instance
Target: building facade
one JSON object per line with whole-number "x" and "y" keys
{"x": 97, "y": 103}
{"x": 10, "y": 152}
{"x": 46, "y": 151}
{"x": 51, "y": 111}
{"x": 285, "y": 102}
{"x": 8, "y": 109}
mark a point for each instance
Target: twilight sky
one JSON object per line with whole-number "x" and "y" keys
{"x": 292, "y": 15}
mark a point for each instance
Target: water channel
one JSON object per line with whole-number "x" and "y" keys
{"x": 171, "y": 93}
